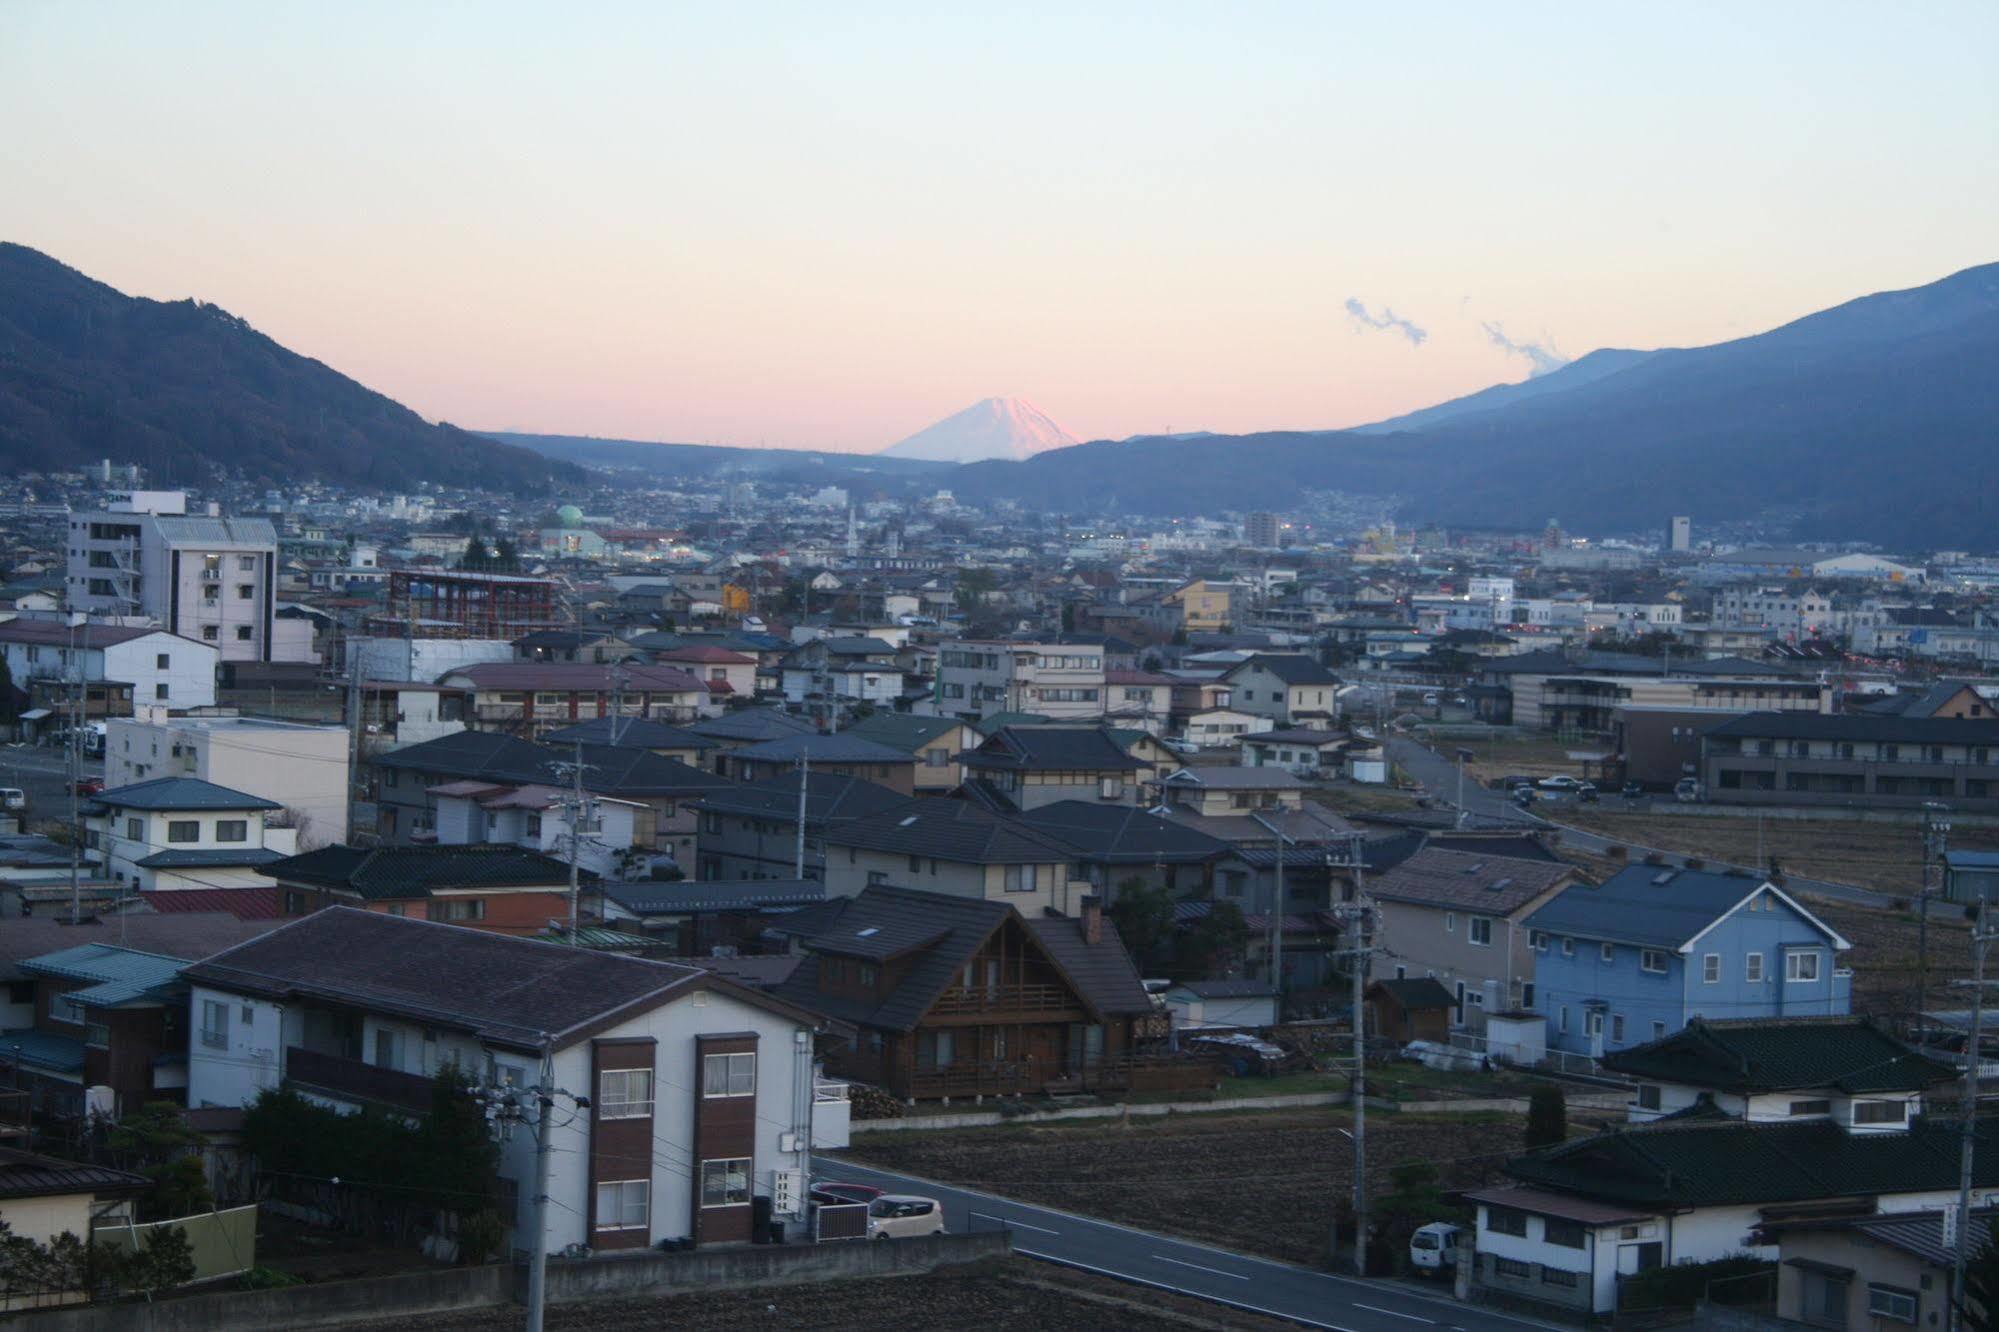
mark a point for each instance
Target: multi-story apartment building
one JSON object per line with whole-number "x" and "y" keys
{"x": 1796, "y": 612}
{"x": 204, "y": 577}
{"x": 978, "y": 678}
{"x": 1781, "y": 758}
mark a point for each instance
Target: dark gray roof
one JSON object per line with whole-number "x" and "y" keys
{"x": 174, "y": 794}
{"x": 630, "y": 733}
{"x": 1627, "y": 663}
{"x": 1292, "y": 670}
{"x": 183, "y": 935}
{"x": 1052, "y": 749}
{"x": 671, "y": 899}
{"x": 219, "y": 858}
{"x": 902, "y": 730}
{"x": 1648, "y": 905}
{"x": 841, "y": 747}
{"x": 829, "y": 797}
{"x": 391, "y": 873}
{"x": 954, "y": 830}
{"x": 1414, "y": 992}
{"x": 26, "y": 1175}
{"x": 1895, "y": 730}
{"x": 1462, "y": 881}
{"x": 1782, "y": 1054}
{"x": 751, "y": 725}
{"x": 1120, "y": 834}
{"x": 1226, "y": 989}
{"x": 610, "y": 770}
{"x": 510, "y": 991}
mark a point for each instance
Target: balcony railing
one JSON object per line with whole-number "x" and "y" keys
{"x": 354, "y": 1079}
{"x": 961, "y": 999}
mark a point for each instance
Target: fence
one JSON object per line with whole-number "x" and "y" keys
{"x": 224, "y": 1243}
{"x": 1558, "y": 1061}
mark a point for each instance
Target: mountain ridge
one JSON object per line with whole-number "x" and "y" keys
{"x": 1011, "y": 428}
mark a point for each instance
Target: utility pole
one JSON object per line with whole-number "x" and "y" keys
{"x": 76, "y": 775}
{"x": 798, "y": 856}
{"x": 1356, "y": 916}
{"x": 1936, "y": 838}
{"x": 1464, "y": 814}
{"x": 1982, "y": 935}
{"x": 1276, "y": 915}
{"x": 353, "y": 738}
{"x": 575, "y": 803}
{"x": 510, "y": 1106}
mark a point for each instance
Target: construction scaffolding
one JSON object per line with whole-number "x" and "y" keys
{"x": 452, "y": 603}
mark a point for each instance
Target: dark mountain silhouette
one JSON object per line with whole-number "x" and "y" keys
{"x": 722, "y": 460}
{"x": 182, "y": 388}
{"x": 1875, "y": 420}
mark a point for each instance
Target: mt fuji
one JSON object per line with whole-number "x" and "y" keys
{"x": 997, "y": 428}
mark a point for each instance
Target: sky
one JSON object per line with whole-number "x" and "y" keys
{"x": 830, "y": 225}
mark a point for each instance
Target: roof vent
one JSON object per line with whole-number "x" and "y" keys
{"x": 1497, "y": 884}
{"x": 1473, "y": 869}
{"x": 869, "y": 933}
{"x": 906, "y": 822}
{"x": 1663, "y": 878}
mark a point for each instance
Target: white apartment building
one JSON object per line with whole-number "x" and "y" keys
{"x": 1800, "y": 612}
{"x": 165, "y": 671}
{"x": 204, "y": 577}
{"x": 295, "y": 765}
{"x": 980, "y": 677}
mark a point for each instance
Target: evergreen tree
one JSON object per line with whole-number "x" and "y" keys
{"x": 476, "y": 557}
{"x": 1981, "y": 1284}
{"x": 1547, "y": 1117}
{"x": 1143, "y": 914}
{"x": 7, "y": 713}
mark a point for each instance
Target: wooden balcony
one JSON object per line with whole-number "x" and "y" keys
{"x": 997, "y": 1000}
{"x": 356, "y": 1080}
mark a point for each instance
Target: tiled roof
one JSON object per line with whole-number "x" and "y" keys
{"x": 707, "y": 656}
{"x": 172, "y": 794}
{"x": 1713, "y": 1163}
{"x": 1903, "y": 730}
{"x": 1101, "y": 972}
{"x": 1650, "y": 906}
{"x": 185, "y": 936}
{"x": 253, "y": 903}
{"x": 1457, "y": 880}
{"x": 629, "y": 733}
{"x": 506, "y": 990}
{"x": 251, "y": 857}
{"x": 1052, "y": 749}
{"x": 1292, "y": 670}
{"x": 751, "y": 725}
{"x": 666, "y": 899}
{"x": 609, "y": 770}
{"x": 390, "y": 873}
{"x": 842, "y": 747}
{"x": 572, "y": 676}
{"x": 1781, "y": 1054}
{"x": 954, "y": 830}
{"x": 829, "y": 796}
{"x": 902, "y": 730}
{"x": 1120, "y": 834}
{"x": 1238, "y": 779}
{"x": 115, "y": 975}
{"x": 26, "y": 1175}
{"x": 42, "y": 1049}
{"x": 54, "y": 633}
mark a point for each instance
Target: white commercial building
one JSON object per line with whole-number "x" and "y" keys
{"x": 296, "y": 765}
{"x": 164, "y": 670}
{"x": 980, "y": 677}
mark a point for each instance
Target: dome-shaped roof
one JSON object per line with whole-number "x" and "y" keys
{"x": 569, "y": 515}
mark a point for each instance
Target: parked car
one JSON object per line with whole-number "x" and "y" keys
{"x": 87, "y": 786}
{"x": 13, "y": 798}
{"x": 1523, "y": 795}
{"x": 1561, "y": 783}
{"x": 1586, "y": 793}
{"x": 1633, "y": 791}
{"x": 846, "y": 1193}
{"x": 1244, "y": 1054}
{"x": 1433, "y": 1249}
{"x": 1429, "y": 700}
{"x": 1687, "y": 790}
{"x": 899, "y": 1215}
{"x": 1179, "y": 746}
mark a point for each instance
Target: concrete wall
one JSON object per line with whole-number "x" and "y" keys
{"x": 643, "y": 1271}
{"x": 322, "y": 1304}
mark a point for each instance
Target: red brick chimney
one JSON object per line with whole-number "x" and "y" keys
{"x": 1093, "y": 920}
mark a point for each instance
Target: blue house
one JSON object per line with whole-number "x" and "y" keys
{"x": 1632, "y": 960}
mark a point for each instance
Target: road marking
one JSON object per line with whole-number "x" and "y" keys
{"x": 1299, "y": 1319}
{"x": 1237, "y": 1276}
{"x": 1013, "y": 1221}
{"x": 1392, "y": 1313}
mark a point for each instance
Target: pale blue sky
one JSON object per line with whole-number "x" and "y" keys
{"x": 830, "y": 225}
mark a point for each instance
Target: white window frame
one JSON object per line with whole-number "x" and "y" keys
{"x": 67, "y": 1008}
{"x": 1752, "y": 968}
{"x": 1476, "y": 926}
{"x": 215, "y": 1024}
{"x": 624, "y": 1093}
{"x": 1794, "y": 967}
{"x": 1711, "y": 968}
{"x": 1568, "y": 947}
{"x": 1647, "y": 957}
{"x": 723, "y": 1163}
{"x": 624, "y": 1204}
{"x": 1450, "y": 922}
{"x": 1889, "y": 1302}
{"x": 1606, "y": 952}
{"x": 729, "y": 1074}
{"x": 1537, "y": 940}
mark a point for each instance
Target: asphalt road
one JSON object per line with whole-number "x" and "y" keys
{"x": 1257, "y": 1285}
{"x": 44, "y": 775}
{"x": 1490, "y": 808}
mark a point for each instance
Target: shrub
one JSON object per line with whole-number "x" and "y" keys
{"x": 1547, "y": 1116}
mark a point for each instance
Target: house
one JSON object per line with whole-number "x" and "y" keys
{"x": 1582, "y": 1214}
{"x": 1222, "y": 1003}
{"x": 1031, "y": 766}
{"x": 153, "y": 666}
{"x": 977, "y": 678}
{"x": 667, "y": 741}
{"x": 1457, "y": 917}
{"x": 935, "y": 743}
{"x": 529, "y": 698}
{"x": 103, "y": 1016}
{"x": 1114, "y": 844}
{"x": 613, "y": 837}
{"x": 1417, "y": 1009}
{"x": 682, "y": 1097}
{"x": 1142, "y": 699}
{"x": 829, "y": 676}
{"x": 499, "y": 888}
{"x": 1306, "y": 750}
{"x": 297, "y": 765}
{"x": 1292, "y": 691}
{"x": 955, "y": 848}
{"x": 961, "y": 996}
{"x": 730, "y": 675}
{"x": 1217, "y": 728}
{"x": 1883, "y": 1270}
{"x": 1232, "y": 792}
{"x": 749, "y": 726}
{"x": 44, "y": 1197}
{"x": 695, "y": 919}
{"x": 1762, "y": 1071}
{"x": 1204, "y": 605}
{"x": 1558, "y": 691}
{"x": 1799, "y": 759}
{"x": 594, "y": 646}
{"x": 842, "y": 754}
{"x": 752, "y": 831}
{"x": 1634, "y": 959}
{"x": 182, "y": 832}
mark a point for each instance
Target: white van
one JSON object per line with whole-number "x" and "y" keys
{"x": 1433, "y": 1249}
{"x": 13, "y": 798}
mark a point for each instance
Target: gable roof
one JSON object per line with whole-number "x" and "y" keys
{"x": 1291, "y": 670}
{"x": 1414, "y": 992}
{"x": 955, "y": 830}
{"x": 573, "y": 676}
{"x": 392, "y": 873}
{"x": 667, "y": 899}
{"x": 1463, "y": 881}
{"x": 1764, "y": 1054}
{"x": 610, "y": 770}
{"x": 174, "y": 794}
{"x": 840, "y": 747}
{"x": 903, "y": 731}
{"x": 512, "y": 992}
{"x": 751, "y": 724}
{"x": 27, "y": 1175}
{"x": 629, "y": 733}
{"x": 1656, "y": 906}
{"x": 115, "y": 975}
{"x": 1052, "y": 749}
{"x": 1122, "y": 834}
{"x": 829, "y": 797}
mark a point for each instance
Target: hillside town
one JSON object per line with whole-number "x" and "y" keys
{"x": 748, "y": 821}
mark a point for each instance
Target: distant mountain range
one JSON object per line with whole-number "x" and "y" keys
{"x": 717, "y": 461}
{"x": 1875, "y": 420}
{"x": 1010, "y": 428}
{"x": 183, "y": 388}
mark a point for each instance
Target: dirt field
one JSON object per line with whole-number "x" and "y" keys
{"x": 1884, "y": 856}
{"x": 1885, "y": 955}
{"x": 1012, "y": 1294}
{"x": 1528, "y": 757}
{"x": 1261, "y": 1183}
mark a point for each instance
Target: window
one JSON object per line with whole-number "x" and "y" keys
{"x": 1752, "y": 968}
{"x": 1617, "y": 1027}
{"x": 1607, "y": 952}
{"x": 388, "y": 1048}
{"x": 1710, "y": 968}
{"x": 246, "y": 563}
{"x": 184, "y": 830}
{"x": 1568, "y": 948}
{"x": 1480, "y": 930}
{"x": 1450, "y": 922}
{"x": 1658, "y": 1031}
{"x": 729, "y": 1074}
{"x": 725, "y": 1183}
{"x": 1568, "y": 1234}
{"x": 242, "y": 633}
{"x": 1537, "y": 940}
{"x": 1563, "y": 1025}
{"x": 1512, "y": 1267}
{"x": 462, "y": 909}
{"x": 1651, "y": 960}
{"x": 135, "y": 830}
{"x": 624, "y": 1093}
{"x": 245, "y": 591}
{"x": 1506, "y": 1221}
{"x": 1880, "y": 1112}
{"x": 161, "y": 662}
{"x": 210, "y": 633}
{"x": 65, "y": 1008}
{"x": 623, "y": 1204}
{"x": 1648, "y": 1096}
{"x": 1800, "y": 1108}
{"x": 159, "y": 693}
{"x": 1020, "y": 878}
{"x": 1802, "y": 968}
{"x": 232, "y": 830}
{"x": 214, "y": 1024}
{"x": 1891, "y": 1302}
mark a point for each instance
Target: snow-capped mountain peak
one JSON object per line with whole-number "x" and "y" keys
{"x": 995, "y": 428}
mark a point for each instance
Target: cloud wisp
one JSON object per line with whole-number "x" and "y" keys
{"x": 1387, "y": 320}
{"x": 1542, "y": 357}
